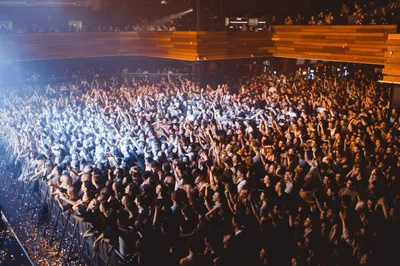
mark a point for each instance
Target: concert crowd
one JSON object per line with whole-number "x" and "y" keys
{"x": 282, "y": 170}
{"x": 357, "y": 13}
{"x": 64, "y": 28}
{"x": 352, "y": 13}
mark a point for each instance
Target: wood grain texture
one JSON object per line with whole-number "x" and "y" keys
{"x": 175, "y": 45}
{"x": 358, "y": 44}
{"x": 391, "y": 72}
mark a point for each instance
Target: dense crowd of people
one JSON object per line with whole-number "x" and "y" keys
{"x": 282, "y": 171}
{"x": 358, "y": 14}
{"x": 37, "y": 28}
{"x": 352, "y": 13}
{"x": 349, "y": 14}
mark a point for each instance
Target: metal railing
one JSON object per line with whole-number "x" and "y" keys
{"x": 61, "y": 229}
{"x": 69, "y": 232}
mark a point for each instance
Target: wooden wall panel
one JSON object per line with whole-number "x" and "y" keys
{"x": 358, "y": 44}
{"x": 233, "y": 45}
{"x": 175, "y": 45}
{"x": 391, "y": 72}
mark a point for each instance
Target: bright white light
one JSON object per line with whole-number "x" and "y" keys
{"x": 171, "y": 17}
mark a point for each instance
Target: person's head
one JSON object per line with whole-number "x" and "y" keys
{"x": 96, "y": 180}
{"x": 117, "y": 187}
{"x": 186, "y": 211}
{"x": 227, "y": 240}
{"x": 241, "y": 172}
{"x": 130, "y": 189}
{"x": 326, "y": 180}
{"x": 175, "y": 197}
{"x": 237, "y": 221}
{"x": 126, "y": 200}
{"x": 392, "y": 213}
{"x": 370, "y": 205}
{"x": 307, "y": 223}
{"x": 329, "y": 213}
{"x": 139, "y": 200}
{"x": 72, "y": 193}
{"x": 118, "y": 172}
{"x": 86, "y": 177}
{"x": 349, "y": 184}
{"x": 216, "y": 197}
{"x": 267, "y": 180}
{"x": 105, "y": 209}
{"x": 93, "y": 205}
{"x": 87, "y": 186}
{"x": 263, "y": 196}
{"x": 66, "y": 180}
{"x": 280, "y": 187}
{"x": 159, "y": 190}
{"x": 134, "y": 169}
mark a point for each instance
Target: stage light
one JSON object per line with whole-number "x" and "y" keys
{"x": 164, "y": 2}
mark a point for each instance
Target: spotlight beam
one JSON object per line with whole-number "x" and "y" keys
{"x": 165, "y": 19}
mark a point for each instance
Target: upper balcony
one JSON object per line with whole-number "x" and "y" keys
{"x": 376, "y": 45}
{"x": 358, "y": 44}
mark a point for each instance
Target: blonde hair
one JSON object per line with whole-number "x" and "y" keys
{"x": 86, "y": 177}
{"x": 66, "y": 181}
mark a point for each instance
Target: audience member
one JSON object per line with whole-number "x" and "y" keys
{"x": 174, "y": 174}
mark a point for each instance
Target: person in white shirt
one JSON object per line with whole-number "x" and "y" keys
{"x": 241, "y": 176}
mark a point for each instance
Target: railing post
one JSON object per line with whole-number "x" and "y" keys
{"x": 73, "y": 238}
{"x": 63, "y": 235}
{"x": 55, "y": 227}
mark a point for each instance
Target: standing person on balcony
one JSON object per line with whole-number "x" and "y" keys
{"x": 352, "y": 19}
{"x": 345, "y": 9}
{"x": 321, "y": 16}
{"x": 300, "y": 20}
{"x": 329, "y": 18}
{"x": 312, "y": 21}
{"x": 288, "y": 20}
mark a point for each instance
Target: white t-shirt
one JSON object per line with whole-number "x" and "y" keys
{"x": 241, "y": 185}
{"x": 272, "y": 90}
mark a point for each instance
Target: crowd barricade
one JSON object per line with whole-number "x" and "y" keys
{"x": 68, "y": 233}
{"x": 64, "y": 232}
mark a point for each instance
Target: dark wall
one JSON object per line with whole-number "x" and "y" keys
{"x": 395, "y": 101}
{"x": 280, "y": 8}
{"x": 318, "y": 5}
{"x": 121, "y": 13}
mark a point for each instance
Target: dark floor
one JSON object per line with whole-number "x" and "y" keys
{"x": 11, "y": 252}
{"x": 24, "y": 226}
